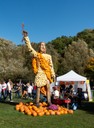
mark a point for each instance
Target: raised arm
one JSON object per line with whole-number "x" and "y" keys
{"x": 28, "y": 44}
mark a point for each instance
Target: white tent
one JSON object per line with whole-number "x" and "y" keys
{"x": 71, "y": 76}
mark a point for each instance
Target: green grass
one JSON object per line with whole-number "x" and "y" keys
{"x": 82, "y": 118}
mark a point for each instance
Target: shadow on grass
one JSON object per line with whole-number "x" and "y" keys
{"x": 16, "y": 101}
{"x": 10, "y": 103}
{"x": 88, "y": 107}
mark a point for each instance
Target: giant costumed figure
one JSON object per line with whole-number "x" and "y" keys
{"x": 42, "y": 67}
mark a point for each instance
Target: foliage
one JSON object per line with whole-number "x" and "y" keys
{"x": 67, "y": 53}
{"x": 76, "y": 56}
{"x": 11, "y": 60}
{"x": 90, "y": 67}
{"x": 88, "y": 36}
{"x": 60, "y": 43}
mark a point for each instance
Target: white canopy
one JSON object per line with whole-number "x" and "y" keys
{"x": 71, "y": 76}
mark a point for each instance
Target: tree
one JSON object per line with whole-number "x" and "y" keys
{"x": 76, "y": 56}
{"x": 60, "y": 43}
{"x": 90, "y": 68}
{"x": 88, "y": 36}
{"x": 11, "y": 60}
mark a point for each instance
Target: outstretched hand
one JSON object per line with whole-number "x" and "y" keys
{"x": 24, "y": 33}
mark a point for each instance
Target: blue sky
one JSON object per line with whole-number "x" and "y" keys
{"x": 44, "y": 20}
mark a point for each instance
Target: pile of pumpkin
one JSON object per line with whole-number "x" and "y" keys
{"x": 31, "y": 109}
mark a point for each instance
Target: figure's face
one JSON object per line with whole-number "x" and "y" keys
{"x": 42, "y": 47}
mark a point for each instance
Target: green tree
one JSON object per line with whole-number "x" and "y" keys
{"x": 88, "y": 36}
{"x": 76, "y": 56}
{"x": 60, "y": 43}
{"x": 90, "y": 68}
{"x": 11, "y": 60}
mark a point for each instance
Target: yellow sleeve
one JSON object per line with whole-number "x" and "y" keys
{"x": 29, "y": 46}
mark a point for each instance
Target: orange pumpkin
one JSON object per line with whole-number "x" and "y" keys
{"x": 34, "y": 114}
{"x": 47, "y": 113}
{"x": 31, "y": 103}
{"x": 70, "y": 111}
{"x": 17, "y": 107}
{"x": 28, "y": 113}
{"x": 40, "y": 113}
{"x": 57, "y": 113}
{"x": 22, "y": 109}
{"x": 61, "y": 112}
{"x": 52, "y": 112}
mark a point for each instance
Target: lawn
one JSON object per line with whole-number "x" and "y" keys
{"x": 82, "y": 118}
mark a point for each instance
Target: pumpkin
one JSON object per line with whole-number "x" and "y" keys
{"x": 61, "y": 112}
{"x": 31, "y": 109}
{"x": 65, "y": 112}
{"x": 47, "y": 113}
{"x": 31, "y": 103}
{"x": 28, "y": 113}
{"x": 17, "y": 107}
{"x": 70, "y": 111}
{"x": 21, "y": 103}
{"x": 57, "y": 113}
{"x": 22, "y": 109}
{"x": 34, "y": 114}
{"x": 52, "y": 112}
{"x": 40, "y": 113}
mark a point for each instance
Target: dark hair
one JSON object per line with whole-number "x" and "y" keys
{"x": 70, "y": 86}
{"x": 25, "y": 32}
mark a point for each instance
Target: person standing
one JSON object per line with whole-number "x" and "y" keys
{"x": 56, "y": 93}
{"x": 29, "y": 90}
{"x": 9, "y": 89}
{"x": 42, "y": 67}
{"x": 4, "y": 89}
{"x": 34, "y": 91}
